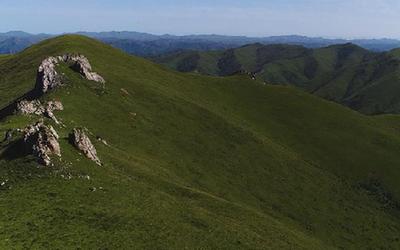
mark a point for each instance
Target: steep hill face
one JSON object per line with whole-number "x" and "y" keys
{"x": 189, "y": 161}
{"x": 347, "y": 74}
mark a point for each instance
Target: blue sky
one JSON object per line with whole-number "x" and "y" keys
{"x": 327, "y": 18}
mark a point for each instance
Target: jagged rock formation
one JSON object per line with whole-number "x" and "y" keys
{"x": 35, "y": 107}
{"x": 82, "y": 142}
{"x": 48, "y": 78}
{"x": 51, "y": 107}
{"x": 82, "y": 65}
{"x": 43, "y": 141}
{"x": 30, "y": 107}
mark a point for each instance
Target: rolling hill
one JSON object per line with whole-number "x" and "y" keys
{"x": 360, "y": 79}
{"x": 192, "y": 162}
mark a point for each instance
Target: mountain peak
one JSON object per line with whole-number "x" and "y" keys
{"x": 18, "y": 34}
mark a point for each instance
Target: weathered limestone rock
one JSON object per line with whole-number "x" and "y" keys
{"x": 48, "y": 78}
{"x": 82, "y": 142}
{"x": 30, "y": 107}
{"x": 51, "y": 107}
{"x": 83, "y": 66}
{"x": 35, "y": 107}
{"x": 43, "y": 141}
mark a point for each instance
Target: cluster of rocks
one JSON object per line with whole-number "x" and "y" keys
{"x": 48, "y": 78}
{"x": 43, "y": 140}
{"x": 82, "y": 142}
{"x": 35, "y": 107}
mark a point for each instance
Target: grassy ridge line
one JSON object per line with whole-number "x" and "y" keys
{"x": 230, "y": 138}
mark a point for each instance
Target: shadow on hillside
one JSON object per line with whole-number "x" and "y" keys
{"x": 10, "y": 108}
{"x": 15, "y": 150}
{"x": 376, "y": 189}
{"x": 33, "y": 94}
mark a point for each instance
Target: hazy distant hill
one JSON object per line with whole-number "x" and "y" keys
{"x": 15, "y": 41}
{"x": 144, "y": 44}
{"x": 363, "y": 80}
{"x": 161, "y": 46}
{"x": 216, "y": 41}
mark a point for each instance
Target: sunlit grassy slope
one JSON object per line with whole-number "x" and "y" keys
{"x": 196, "y": 162}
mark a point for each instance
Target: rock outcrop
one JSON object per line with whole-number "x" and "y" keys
{"x": 35, "y": 107}
{"x": 48, "y": 78}
{"x": 42, "y": 140}
{"x": 82, "y": 142}
{"x": 51, "y": 107}
{"x": 82, "y": 65}
{"x": 30, "y": 107}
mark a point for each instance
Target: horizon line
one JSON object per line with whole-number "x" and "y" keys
{"x": 207, "y": 34}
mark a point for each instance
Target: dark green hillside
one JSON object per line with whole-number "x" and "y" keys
{"x": 395, "y": 53}
{"x": 347, "y": 74}
{"x": 195, "y": 162}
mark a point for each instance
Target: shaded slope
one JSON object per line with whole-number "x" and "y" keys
{"x": 197, "y": 162}
{"x": 347, "y": 74}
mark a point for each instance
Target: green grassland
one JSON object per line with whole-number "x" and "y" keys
{"x": 362, "y": 80}
{"x": 195, "y": 162}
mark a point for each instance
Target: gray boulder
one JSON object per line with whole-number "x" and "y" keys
{"x": 43, "y": 142}
{"x": 48, "y": 78}
{"x": 35, "y": 107}
{"x": 30, "y": 107}
{"x": 82, "y": 65}
{"x": 82, "y": 142}
{"x": 51, "y": 107}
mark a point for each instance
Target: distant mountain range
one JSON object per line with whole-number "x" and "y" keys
{"x": 147, "y": 45}
{"x": 348, "y": 74}
{"x": 15, "y": 41}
